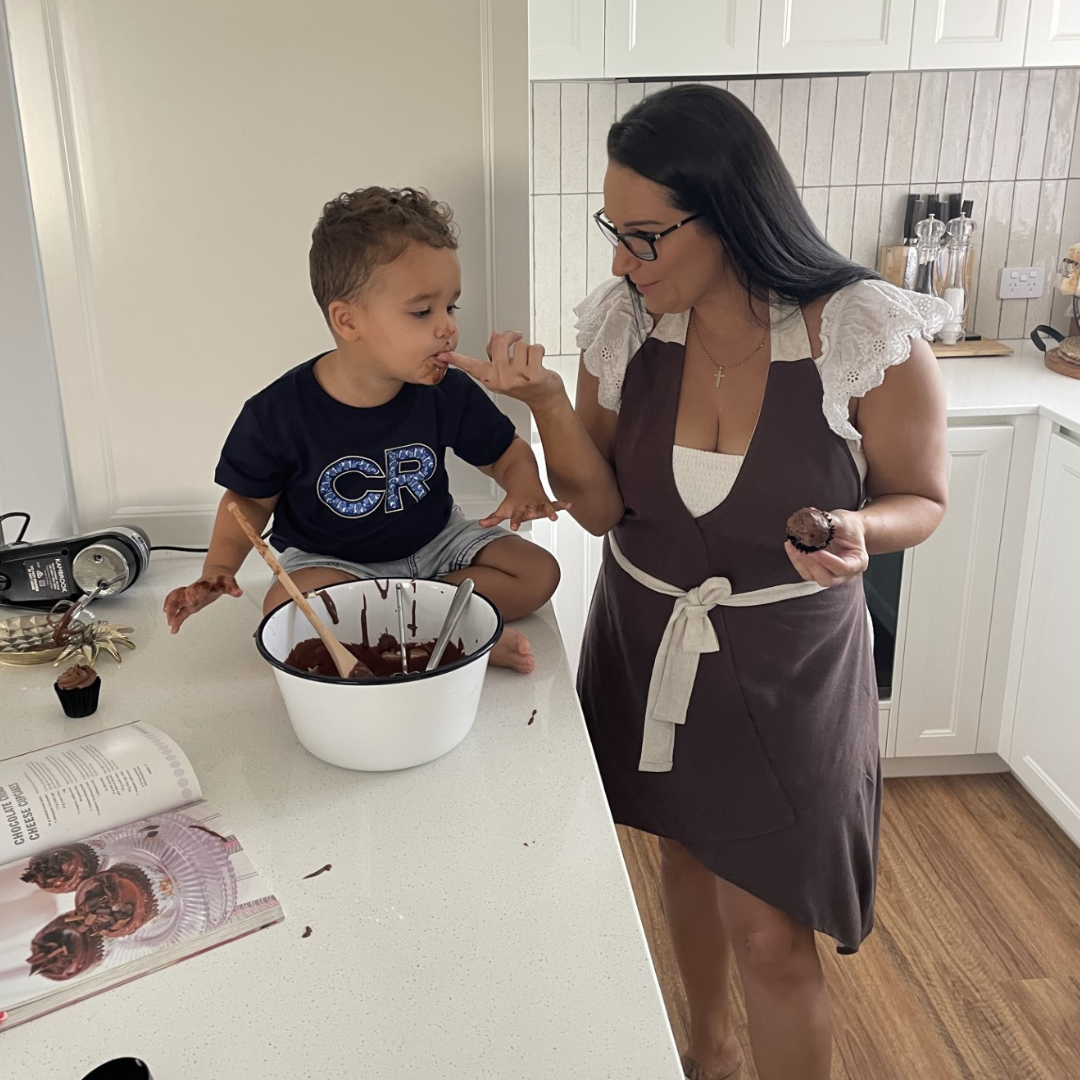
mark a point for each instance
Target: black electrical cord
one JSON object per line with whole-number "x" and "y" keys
{"x": 19, "y": 514}
{"x": 195, "y": 550}
{"x": 153, "y": 547}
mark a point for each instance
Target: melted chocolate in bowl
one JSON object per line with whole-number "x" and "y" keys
{"x": 384, "y": 658}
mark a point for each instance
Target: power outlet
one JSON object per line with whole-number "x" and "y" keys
{"x": 1022, "y": 283}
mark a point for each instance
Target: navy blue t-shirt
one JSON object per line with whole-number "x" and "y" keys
{"x": 367, "y": 485}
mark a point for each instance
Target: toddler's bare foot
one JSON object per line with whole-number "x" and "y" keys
{"x": 513, "y": 650}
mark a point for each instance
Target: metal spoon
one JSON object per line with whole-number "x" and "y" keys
{"x": 401, "y": 629}
{"x": 461, "y": 598}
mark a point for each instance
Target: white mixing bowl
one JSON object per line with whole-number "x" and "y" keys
{"x": 382, "y": 724}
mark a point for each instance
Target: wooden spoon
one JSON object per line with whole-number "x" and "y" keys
{"x": 347, "y": 664}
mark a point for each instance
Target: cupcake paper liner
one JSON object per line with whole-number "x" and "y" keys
{"x": 80, "y": 702}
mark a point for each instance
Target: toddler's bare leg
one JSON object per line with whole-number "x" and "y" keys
{"x": 517, "y": 577}
{"x": 310, "y": 577}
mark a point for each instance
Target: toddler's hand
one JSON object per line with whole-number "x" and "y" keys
{"x": 519, "y": 508}
{"x": 188, "y": 599}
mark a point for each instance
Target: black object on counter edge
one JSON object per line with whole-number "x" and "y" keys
{"x": 967, "y": 207}
{"x": 127, "y": 1068}
{"x": 954, "y": 205}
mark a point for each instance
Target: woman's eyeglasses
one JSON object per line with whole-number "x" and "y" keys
{"x": 641, "y": 245}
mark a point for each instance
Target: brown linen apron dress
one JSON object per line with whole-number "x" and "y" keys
{"x": 775, "y": 784}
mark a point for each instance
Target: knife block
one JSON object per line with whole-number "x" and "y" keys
{"x": 893, "y": 263}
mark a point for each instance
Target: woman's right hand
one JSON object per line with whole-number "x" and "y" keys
{"x": 514, "y": 368}
{"x": 188, "y": 599}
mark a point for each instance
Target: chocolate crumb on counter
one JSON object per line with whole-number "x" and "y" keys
{"x": 321, "y": 870}
{"x": 531, "y": 718}
{"x": 307, "y": 932}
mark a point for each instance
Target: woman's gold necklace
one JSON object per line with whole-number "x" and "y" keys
{"x": 722, "y": 369}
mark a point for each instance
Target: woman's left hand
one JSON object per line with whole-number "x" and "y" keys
{"x": 845, "y": 557}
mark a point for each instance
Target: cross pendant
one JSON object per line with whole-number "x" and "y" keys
{"x": 719, "y": 376}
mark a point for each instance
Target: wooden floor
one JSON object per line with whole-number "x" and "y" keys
{"x": 973, "y": 970}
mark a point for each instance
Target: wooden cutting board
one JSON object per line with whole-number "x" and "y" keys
{"x": 1055, "y": 361}
{"x": 986, "y": 347}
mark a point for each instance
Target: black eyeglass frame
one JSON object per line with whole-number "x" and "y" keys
{"x": 617, "y": 238}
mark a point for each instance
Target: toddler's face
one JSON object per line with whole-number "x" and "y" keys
{"x": 405, "y": 316}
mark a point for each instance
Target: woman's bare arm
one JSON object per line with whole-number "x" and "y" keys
{"x": 903, "y": 427}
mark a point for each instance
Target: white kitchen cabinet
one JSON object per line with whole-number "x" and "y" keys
{"x": 1053, "y": 38}
{"x": 566, "y": 39}
{"x": 969, "y": 33}
{"x": 947, "y": 602}
{"x": 1045, "y": 752}
{"x": 835, "y": 35}
{"x": 681, "y": 37}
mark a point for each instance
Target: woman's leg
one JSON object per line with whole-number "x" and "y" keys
{"x": 692, "y": 911}
{"x": 787, "y": 1005}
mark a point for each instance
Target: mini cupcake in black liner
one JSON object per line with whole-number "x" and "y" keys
{"x": 810, "y": 529}
{"x": 64, "y": 948}
{"x": 78, "y": 689}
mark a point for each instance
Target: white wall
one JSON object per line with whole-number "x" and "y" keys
{"x": 33, "y": 456}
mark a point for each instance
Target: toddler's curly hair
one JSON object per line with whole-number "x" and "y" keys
{"x": 362, "y": 230}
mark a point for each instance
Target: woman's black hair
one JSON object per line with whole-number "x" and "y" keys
{"x": 715, "y": 159}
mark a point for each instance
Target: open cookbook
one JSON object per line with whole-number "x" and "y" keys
{"x": 111, "y": 866}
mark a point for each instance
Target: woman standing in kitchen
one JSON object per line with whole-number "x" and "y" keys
{"x": 736, "y": 370}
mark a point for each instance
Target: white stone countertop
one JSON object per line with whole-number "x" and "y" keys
{"x": 478, "y": 921}
{"x": 1010, "y": 386}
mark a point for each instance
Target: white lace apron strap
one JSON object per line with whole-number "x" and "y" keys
{"x": 610, "y": 329}
{"x": 866, "y": 328}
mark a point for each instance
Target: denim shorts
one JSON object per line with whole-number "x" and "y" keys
{"x": 453, "y": 549}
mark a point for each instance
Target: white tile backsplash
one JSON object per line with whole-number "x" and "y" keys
{"x": 1036, "y": 125}
{"x": 601, "y": 117}
{"x": 841, "y": 218}
{"x": 875, "y": 129}
{"x": 821, "y": 116}
{"x": 816, "y": 201}
{"x": 867, "y": 225}
{"x": 1025, "y": 212}
{"x": 955, "y": 125}
{"x": 794, "y": 103}
{"x": 547, "y": 271}
{"x": 995, "y": 246}
{"x": 847, "y": 130}
{"x": 901, "y": 137}
{"x": 980, "y": 145}
{"x": 1010, "y": 124}
{"x": 855, "y": 146}
{"x": 574, "y": 260}
{"x": 767, "y": 105}
{"x": 574, "y": 137}
{"x": 1048, "y": 240}
{"x": 928, "y": 124}
{"x": 1063, "y": 117}
{"x": 546, "y": 123}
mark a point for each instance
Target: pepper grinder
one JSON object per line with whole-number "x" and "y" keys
{"x": 953, "y": 286}
{"x": 929, "y": 232}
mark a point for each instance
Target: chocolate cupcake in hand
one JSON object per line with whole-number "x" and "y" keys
{"x": 63, "y": 869}
{"x": 64, "y": 948}
{"x": 810, "y": 529}
{"x": 78, "y": 689}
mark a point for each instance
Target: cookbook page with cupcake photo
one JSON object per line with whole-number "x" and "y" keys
{"x": 112, "y": 865}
